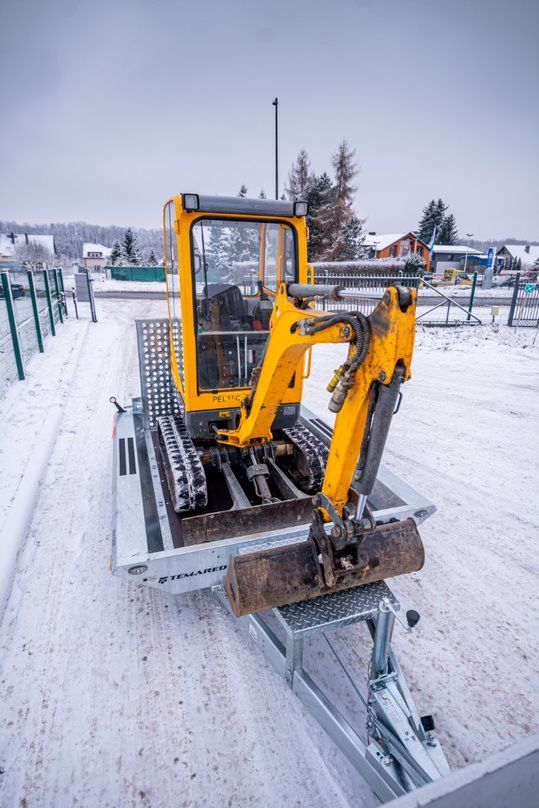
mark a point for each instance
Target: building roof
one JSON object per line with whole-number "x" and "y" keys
{"x": 90, "y": 247}
{"x": 456, "y": 249}
{"x": 10, "y": 241}
{"x": 380, "y": 241}
{"x": 519, "y": 251}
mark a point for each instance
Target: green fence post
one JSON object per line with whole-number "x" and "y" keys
{"x": 8, "y": 297}
{"x": 49, "y": 300}
{"x": 35, "y": 309}
{"x": 516, "y": 290}
{"x": 58, "y": 295}
{"x": 472, "y": 295}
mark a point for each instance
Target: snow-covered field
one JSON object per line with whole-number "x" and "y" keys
{"x": 114, "y": 694}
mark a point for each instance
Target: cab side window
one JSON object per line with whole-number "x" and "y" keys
{"x": 173, "y": 278}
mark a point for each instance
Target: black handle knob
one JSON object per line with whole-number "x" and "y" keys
{"x": 412, "y": 617}
{"x": 118, "y": 406}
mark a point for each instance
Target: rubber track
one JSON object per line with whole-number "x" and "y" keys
{"x": 314, "y": 450}
{"x": 185, "y": 473}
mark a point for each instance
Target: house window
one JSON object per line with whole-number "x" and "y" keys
{"x": 393, "y": 250}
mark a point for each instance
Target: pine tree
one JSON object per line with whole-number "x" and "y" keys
{"x": 116, "y": 253}
{"x": 152, "y": 260}
{"x": 298, "y": 176}
{"x": 218, "y": 251}
{"x": 432, "y": 217}
{"x": 243, "y": 191}
{"x": 426, "y": 223}
{"x": 130, "y": 252}
{"x": 448, "y": 233}
{"x": 352, "y": 239}
{"x": 318, "y": 192}
{"x": 439, "y": 216}
{"x": 262, "y": 194}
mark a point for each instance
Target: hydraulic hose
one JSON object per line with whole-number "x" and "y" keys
{"x": 360, "y": 326}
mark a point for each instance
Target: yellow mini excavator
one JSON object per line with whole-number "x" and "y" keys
{"x": 237, "y": 458}
{"x": 224, "y": 481}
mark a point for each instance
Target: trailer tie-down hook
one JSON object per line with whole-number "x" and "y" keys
{"x": 118, "y": 406}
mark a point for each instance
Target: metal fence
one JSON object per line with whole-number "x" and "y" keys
{"x": 442, "y": 309}
{"x": 32, "y": 304}
{"x": 524, "y": 309}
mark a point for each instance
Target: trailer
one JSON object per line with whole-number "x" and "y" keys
{"x": 397, "y": 750}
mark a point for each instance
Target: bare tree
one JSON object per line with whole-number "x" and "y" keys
{"x": 33, "y": 253}
{"x": 339, "y": 216}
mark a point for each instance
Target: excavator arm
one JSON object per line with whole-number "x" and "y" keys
{"x": 365, "y": 388}
{"x": 365, "y": 394}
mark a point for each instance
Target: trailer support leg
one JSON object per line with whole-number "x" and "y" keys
{"x": 397, "y": 754}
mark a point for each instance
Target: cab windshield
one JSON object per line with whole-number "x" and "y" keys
{"x": 237, "y": 266}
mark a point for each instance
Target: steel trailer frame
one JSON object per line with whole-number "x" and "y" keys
{"x": 400, "y": 751}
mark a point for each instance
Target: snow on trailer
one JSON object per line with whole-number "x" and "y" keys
{"x": 401, "y": 752}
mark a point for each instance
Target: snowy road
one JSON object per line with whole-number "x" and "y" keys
{"x": 113, "y": 694}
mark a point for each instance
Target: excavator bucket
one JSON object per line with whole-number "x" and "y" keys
{"x": 291, "y": 573}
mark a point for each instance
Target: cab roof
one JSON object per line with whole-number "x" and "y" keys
{"x": 243, "y": 205}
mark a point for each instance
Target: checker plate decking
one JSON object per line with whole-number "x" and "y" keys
{"x": 158, "y": 391}
{"x": 332, "y": 611}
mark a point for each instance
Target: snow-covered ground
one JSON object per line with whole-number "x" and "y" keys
{"x": 114, "y": 694}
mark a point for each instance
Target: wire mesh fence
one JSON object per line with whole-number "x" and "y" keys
{"x": 524, "y": 310}
{"x": 8, "y": 365}
{"x": 372, "y": 286}
{"x": 439, "y": 309}
{"x": 24, "y": 315}
{"x": 31, "y": 303}
{"x": 42, "y": 303}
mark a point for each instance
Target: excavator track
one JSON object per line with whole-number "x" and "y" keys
{"x": 315, "y": 453}
{"x": 185, "y": 473}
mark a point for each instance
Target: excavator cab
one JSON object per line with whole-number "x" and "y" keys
{"x": 225, "y": 259}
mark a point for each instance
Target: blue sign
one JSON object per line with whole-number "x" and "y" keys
{"x": 490, "y": 258}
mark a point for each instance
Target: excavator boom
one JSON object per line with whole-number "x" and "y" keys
{"x": 365, "y": 393}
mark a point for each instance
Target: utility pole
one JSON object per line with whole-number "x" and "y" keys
{"x": 275, "y": 103}
{"x": 468, "y": 236}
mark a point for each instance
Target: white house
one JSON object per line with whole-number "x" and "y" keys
{"x": 39, "y": 247}
{"x": 526, "y": 254}
{"x": 95, "y": 256}
{"x": 449, "y": 256}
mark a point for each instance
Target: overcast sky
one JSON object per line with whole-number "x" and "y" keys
{"x": 108, "y": 108}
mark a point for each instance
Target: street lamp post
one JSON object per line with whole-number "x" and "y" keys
{"x": 275, "y": 103}
{"x": 468, "y": 236}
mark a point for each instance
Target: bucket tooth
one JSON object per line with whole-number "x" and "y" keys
{"x": 291, "y": 573}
